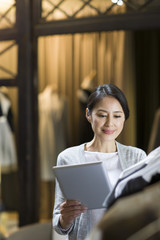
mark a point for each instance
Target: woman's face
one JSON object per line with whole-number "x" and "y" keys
{"x": 107, "y": 119}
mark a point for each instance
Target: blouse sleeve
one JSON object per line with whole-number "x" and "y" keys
{"x": 59, "y": 199}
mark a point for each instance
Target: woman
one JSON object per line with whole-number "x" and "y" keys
{"x": 107, "y": 110}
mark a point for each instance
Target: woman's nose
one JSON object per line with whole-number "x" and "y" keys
{"x": 109, "y": 121}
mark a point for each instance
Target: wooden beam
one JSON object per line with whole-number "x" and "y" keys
{"x": 128, "y": 21}
{"x": 8, "y": 34}
{"x": 27, "y": 117}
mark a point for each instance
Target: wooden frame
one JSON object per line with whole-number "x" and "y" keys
{"x": 127, "y": 21}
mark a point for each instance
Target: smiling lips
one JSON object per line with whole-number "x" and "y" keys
{"x": 108, "y": 131}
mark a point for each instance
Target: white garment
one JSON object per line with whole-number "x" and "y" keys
{"x": 113, "y": 168}
{"x": 152, "y": 168}
{"x": 53, "y": 137}
{"x": 8, "y": 156}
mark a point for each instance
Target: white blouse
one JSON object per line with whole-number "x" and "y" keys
{"x": 111, "y": 163}
{"x": 113, "y": 168}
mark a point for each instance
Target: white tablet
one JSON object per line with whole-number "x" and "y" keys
{"x": 86, "y": 182}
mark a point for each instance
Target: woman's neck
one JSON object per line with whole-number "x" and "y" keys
{"x": 96, "y": 146}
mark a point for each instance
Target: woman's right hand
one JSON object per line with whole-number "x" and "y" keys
{"x": 69, "y": 210}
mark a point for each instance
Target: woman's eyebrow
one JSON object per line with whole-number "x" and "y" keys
{"x": 102, "y": 110}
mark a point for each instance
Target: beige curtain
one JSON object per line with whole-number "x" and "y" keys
{"x": 65, "y": 60}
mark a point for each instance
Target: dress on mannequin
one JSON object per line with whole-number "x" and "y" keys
{"x": 7, "y": 145}
{"x": 8, "y": 155}
{"x": 53, "y": 135}
{"x": 53, "y": 138}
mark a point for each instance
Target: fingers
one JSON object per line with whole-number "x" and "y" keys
{"x": 71, "y": 203}
{"x": 72, "y": 209}
{"x": 69, "y": 210}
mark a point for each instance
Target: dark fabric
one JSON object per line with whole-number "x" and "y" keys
{"x": 9, "y": 117}
{"x": 132, "y": 186}
{"x": 138, "y": 184}
{"x": 1, "y": 114}
{"x": 85, "y": 133}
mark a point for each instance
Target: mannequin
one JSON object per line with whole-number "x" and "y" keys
{"x": 53, "y": 138}
{"x": 7, "y": 145}
{"x": 8, "y": 155}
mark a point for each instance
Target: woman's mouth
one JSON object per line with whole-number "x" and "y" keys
{"x": 108, "y": 131}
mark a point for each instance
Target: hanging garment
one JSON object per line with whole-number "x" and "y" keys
{"x": 53, "y": 130}
{"x": 85, "y": 133}
{"x": 8, "y": 156}
{"x": 137, "y": 177}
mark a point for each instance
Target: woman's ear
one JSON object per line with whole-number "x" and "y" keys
{"x": 88, "y": 115}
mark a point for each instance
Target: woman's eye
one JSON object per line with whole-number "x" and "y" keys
{"x": 102, "y": 116}
{"x": 117, "y": 116}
